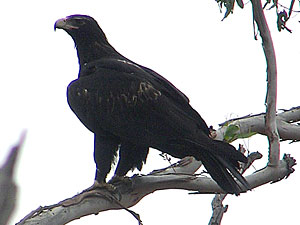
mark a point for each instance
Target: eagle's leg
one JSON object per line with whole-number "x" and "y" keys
{"x": 105, "y": 151}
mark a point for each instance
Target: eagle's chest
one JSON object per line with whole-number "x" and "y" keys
{"x": 99, "y": 107}
{"x": 82, "y": 102}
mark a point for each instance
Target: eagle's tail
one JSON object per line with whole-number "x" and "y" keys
{"x": 221, "y": 161}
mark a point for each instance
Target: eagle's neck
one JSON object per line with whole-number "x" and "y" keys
{"x": 91, "y": 50}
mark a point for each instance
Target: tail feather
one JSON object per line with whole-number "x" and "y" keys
{"x": 221, "y": 160}
{"x": 235, "y": 173}
{"x": 219, "y": 173}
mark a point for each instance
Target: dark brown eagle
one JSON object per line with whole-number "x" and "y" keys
{"x": 131, "y": 108}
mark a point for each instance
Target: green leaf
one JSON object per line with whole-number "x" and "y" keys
{"x": 232, "y": 133}
{"x": 229, "y": 4}
{"x": 241, "y": 136}
{"x": 240, "y": 3}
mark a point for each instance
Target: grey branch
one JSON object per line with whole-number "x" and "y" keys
{"x": 286, "y": 125}
{"x": 218, "y": 209}
{"x": 8, "y": 187}
{"x": 271, "y": 98}
{"x": 129, "y": 192}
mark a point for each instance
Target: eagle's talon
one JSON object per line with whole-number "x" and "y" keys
{"x": 101, "y": 186}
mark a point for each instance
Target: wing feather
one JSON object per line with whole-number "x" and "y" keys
{"x": 125, "y": 98}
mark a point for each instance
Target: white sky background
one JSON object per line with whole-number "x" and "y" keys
{"x": 218, "y": 65}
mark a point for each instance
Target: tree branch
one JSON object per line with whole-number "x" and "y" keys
{"x": 271, "y": 98}
{"x": 251, "y": 124}
{"x": 130, "y": 192}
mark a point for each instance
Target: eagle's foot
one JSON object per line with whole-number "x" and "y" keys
{"x": 101, "y": 186}
{"x": 117, "y": 180}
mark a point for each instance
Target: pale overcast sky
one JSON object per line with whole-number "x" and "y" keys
{"x": 218, "y": 65}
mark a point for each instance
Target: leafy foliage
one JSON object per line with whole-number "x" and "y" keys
{"x": 282, "y": 16}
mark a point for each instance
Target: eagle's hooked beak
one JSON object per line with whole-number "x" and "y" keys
{"x": 64, "y": 24}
